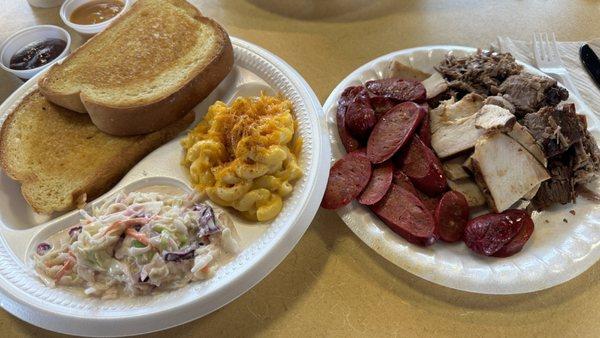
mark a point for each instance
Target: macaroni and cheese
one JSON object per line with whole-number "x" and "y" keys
{"x": 244, "y": 155}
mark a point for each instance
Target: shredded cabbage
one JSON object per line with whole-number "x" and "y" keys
{"x": 136, "y": 243}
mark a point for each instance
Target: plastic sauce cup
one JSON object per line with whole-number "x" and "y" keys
{"x": 87, "y": 31}
{"x": 29, "y": 35}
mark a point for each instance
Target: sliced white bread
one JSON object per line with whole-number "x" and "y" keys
{"x": 149, "y": 68}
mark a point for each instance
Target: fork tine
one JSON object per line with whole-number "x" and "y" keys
{"x": 547, "y": 55}
{"x": 541, "y": 47}
{"x": 536, "y": 47}
{"x": 549, "y": 47}
{"x": 543, "y": 40}
{"x": 555, "y": 45}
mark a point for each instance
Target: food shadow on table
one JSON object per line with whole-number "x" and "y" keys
{"x": 346, "y": 10}
{"x": 334, "y": 10}
{"x": 325, "y": 11}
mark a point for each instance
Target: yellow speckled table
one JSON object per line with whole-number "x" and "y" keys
{"x": 332, "y": 284}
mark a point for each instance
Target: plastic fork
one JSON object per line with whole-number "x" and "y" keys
{"x": 547, "y": 58}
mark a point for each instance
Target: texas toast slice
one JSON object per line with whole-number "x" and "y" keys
{"x": 61, "y": 158}
{"x": 150, "y": 67}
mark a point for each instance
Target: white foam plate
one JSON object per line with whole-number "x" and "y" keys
{"x": 264, "y": 245}
{"x": 556, "y": 252}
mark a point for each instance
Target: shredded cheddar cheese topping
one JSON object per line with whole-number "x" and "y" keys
{"x": 244, "y": 155}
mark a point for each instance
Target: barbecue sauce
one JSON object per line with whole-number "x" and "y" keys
{"x": 96, "y": 11}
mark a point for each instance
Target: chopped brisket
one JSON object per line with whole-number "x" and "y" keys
{"x": 571, "y": 151}
{"x": 577, "y": 166}
{"x": 556, "y": 130}
{"x": 500, "y": 102}
{"x": 528, "y": 92}
{"x": 434, "y": 102}
{"x": 574, "y": 157}
{"x": 560, "y": 188}
{"x": 555, "y": 95}
{"x": 482, "y": 72}
{"x": 585, "y": 159}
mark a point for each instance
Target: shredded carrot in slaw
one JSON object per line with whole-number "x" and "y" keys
{"x": 67, "y": 266}
{"x": 139, "y": 236}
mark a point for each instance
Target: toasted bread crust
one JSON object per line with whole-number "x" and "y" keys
{"x": 149, "y": 115}
{"x": 92, "y": 186}
{"x": 191, "y": 9}
{"x": 106, "y": 178}
{"x": 4, "y": 163}
{"x": 71, "y": 101}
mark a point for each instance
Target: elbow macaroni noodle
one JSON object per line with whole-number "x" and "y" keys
{"x": 240, "y": 155}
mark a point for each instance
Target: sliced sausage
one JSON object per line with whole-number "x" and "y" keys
{"x": 398, "y": 89}
{"x": 406, "y": 215}
{"x": 423, "y": 168}
{"x": 347, "y": 179}
{"x": 360, "y": 116}
{"x": 429, "y": 202}
{"x": 402, "y": 180}
{"x": 378, "y": 186}
{"x": 382, "y": 104}
{"x": 425, "y": 129}
{"x": 518, "y": 242}
{"x": 425, "y": 132}
{"x": 451, "y": 216}
{"x": 348, "y": 141}
{"x": 394, "y": 129}
{"x": 487, "y": 234}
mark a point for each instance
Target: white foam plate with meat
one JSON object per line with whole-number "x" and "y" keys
{"x": 557, "y": 251}
{"x": 264, "y": 245}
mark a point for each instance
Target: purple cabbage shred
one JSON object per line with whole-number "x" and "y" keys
{"x": 206, "y": 221}
{"x": 43, "y": 248}
{"x": 178, "y": 256}
{"x": 75, "y": 231}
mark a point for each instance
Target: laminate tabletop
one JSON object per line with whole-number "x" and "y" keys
{"x": 332, "y": 284}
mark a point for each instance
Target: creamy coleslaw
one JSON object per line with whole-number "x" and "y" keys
{"x": 137, "y": 243}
